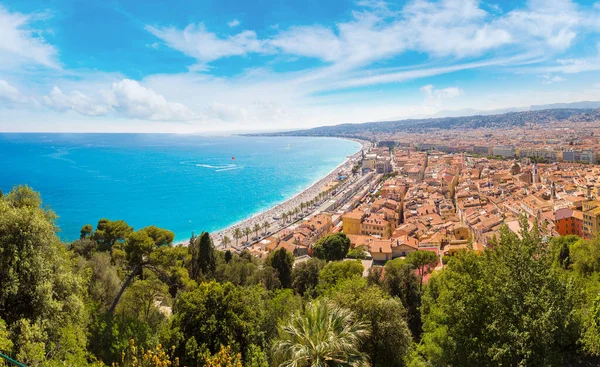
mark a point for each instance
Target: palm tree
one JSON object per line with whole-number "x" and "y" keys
{"x": 247, "y": 232}
{"x": 256, "y": 229}
{"x": 237, "y": 234}
{"x": 265, "y": 226}
{"x": 226, "y": 241}
{"x": 321, "y": 336}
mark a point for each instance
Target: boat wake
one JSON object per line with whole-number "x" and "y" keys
{"x": 216, "y": 167}
{"x": 228, "y": 168}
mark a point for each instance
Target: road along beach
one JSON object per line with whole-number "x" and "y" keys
{"x": 289, "y": 205}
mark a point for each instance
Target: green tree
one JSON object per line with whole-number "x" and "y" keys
{"x": 41, "y": 296}
{"x": 282, "y": 261}
{"x": 226, "y": 241}
{"x": 423, "y": 262}
{"x": 561, "y": 249}
{"x": 256, "y": 229}
{"x": 237, "y": 234}
{"x": 104, "y": 281}
{"x": 247, "y": 232}
{"x": 217, "y": 314}
{"x": 332, "y": 247}
{"x": 143, "y": 299}
{"x": 84, "y": 247}
{"x": 323, "y": 335}
{"x": 267, "y": 277}
{"x": 6, "y": 345}
{"x": 524, "y": 309}
{"x": 279, "y": 307}
{"x": 357, "y": 253}
{"x": 390, "y": 338}
{"x": 305, "y": 277}
{"x": 140, "y": 247}
{"x": 240, "y": 270}
{"x": 400, "y": 281}
{"x": 591, "y": 335}
{"x": 228, "y": 256}
{"x": 86, "y": 231}
{"x": 585, "y": 256}
{"x": 193, "y": 266}
{"x": 265, "y": 226}
{"x": 206, "y": 259}
{"x": 256, "y": 357}
{"x": 375, "y": 276}
{"x": 109, "y": 232}
{"x": 336, "y": 271}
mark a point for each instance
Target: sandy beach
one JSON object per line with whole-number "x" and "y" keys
{"x": 288, "y": 205}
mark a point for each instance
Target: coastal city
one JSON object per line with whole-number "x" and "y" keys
{"x": 443, "y": 191}
{"x": 363, "y": 183}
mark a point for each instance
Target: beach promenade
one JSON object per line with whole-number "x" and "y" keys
{"x": 289, "y": 205}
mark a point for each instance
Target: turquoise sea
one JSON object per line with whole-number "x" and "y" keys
{"x": 183, "y": 183}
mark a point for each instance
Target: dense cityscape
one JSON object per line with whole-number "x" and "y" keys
{"x": 446, "y": 189}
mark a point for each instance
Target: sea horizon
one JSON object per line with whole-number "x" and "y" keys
{"x": 182, "y": 182}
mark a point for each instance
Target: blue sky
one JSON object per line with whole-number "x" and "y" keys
{"x": 235, "y": 65}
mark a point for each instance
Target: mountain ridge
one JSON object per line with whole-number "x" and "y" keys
{"x": 503, "y": 120}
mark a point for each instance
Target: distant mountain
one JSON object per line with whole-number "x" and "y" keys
{"x": 472, "y": 111}
{"x": 584, "y": 104}
{"x": 368, "y": 129}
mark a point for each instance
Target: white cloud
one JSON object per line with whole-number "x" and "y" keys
{"x": 452, "y": 28}
{"x": 75, "y": 101}
{"x": 441, "y": 28}
{"x": 233, "y": 23}
{"x": 21, "y": 44}
{"x": 574, "y": 65}
{"x": 392, "y": 76}
{"x": 133, "y": 100}
{"x": 11, "y": 96}
{"x": 436, "y": 96}
{"x": 205, "y": 46}
{"x": 444, "y": 28}
{"x": 218, "y": 111}
{"x": 553, "y": 22}
{"x": 548, "y": 79}
{"x": 495, "y": 7}
{"x": 310, "y": 41}
{"x": 126, "y": 98}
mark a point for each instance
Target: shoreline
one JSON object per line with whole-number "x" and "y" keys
{"x": 293, "y": 202}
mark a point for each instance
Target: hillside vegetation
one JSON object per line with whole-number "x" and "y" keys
{"x": 128, "y": 297}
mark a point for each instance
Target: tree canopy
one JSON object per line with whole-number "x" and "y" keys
{"x": 126, "y": 296}
{"x": 507, "y": 307}
{"x": 282, "y": 261}
{"x": 332, "y": 247}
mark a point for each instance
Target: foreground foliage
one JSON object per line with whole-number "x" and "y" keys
{"x": 507, "y": 307}
{"x": 323, "y": 335}
{"x": 130, "y": 297}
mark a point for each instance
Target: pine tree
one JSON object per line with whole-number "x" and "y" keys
{"x": 206, "y": 254}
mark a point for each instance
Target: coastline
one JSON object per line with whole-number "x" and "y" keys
{"x": 289, "y": 204}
